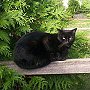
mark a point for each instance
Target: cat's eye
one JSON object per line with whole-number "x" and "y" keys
{"x": 70, "y": 38}
{"x": 63, "y": 38}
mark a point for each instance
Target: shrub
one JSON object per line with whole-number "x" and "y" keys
{"x": 73, "y": 6}
{"x": 13, "y": 22}
{"x": 47, "y": 15}
{"x": 11, "y": 80}
{"x": 85, "y": 7}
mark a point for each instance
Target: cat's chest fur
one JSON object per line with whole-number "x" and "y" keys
{"x": 37, "y": 49}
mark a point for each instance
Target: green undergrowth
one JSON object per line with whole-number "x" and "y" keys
{"x": 10, "y": 80}
{"x": 81, "y": 46}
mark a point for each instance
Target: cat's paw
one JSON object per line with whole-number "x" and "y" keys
{"x": 52, "y": 57}
{"x": 64, "y": 58}
{"x": 61, "y": 58}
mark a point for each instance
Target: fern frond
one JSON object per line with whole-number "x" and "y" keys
{"x": 4, "y": 36}
{"x": 3, "y": 21}
{"x": 9, "y": 79}
{"x": 5, "y": 49}
{"x": 38, "y": 82}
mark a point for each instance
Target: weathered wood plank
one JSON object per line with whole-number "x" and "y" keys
{"x": 69, "y": 66}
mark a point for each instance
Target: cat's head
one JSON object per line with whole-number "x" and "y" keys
{"x": 66, "y": 37}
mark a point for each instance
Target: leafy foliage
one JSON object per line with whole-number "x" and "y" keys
{"x": 81, "y": 46}
{"x": 63, "y": 82}
{"x": 48, "y": 15}
{"x": 85, "y": 5}
{"x": 37, "y": 82}
{"x": 73, "y": 6}
{"x": 9, "y": 79}
{"x": 12, "y": 17}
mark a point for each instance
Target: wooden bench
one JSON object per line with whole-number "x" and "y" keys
{"x": 69, "y": 66}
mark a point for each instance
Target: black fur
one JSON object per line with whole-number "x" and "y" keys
{"x": 37, "y": 49}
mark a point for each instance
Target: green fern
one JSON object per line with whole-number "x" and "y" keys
{"x": 63, "y": 82}
{"x": 13, "y": 21}
{"x": 4, "y": 36}
{"x": 5, "y": 49}
{"x": 9, "y": 78}
{"x": 37, "y": 82}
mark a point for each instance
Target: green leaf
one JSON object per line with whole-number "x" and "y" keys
{"x": 4, "y": 36}
{"x": 5, "y": 49}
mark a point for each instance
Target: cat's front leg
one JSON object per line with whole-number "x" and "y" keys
{"x": 64, "y": 55}
{"x": 61, "y": 56}
{"x": 53, "y": 57}
{"x": 58, "y": 56}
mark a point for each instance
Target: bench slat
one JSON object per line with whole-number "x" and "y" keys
{"x": 69, "y": 66}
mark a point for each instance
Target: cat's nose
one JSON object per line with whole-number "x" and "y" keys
{"x": 66, "y": 43}
{"x": 68, "y": 46}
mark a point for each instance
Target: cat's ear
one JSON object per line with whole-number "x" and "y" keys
{"x": 74, "y": 30}
{"x": 60, "y": 30}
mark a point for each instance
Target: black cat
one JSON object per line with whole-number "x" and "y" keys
{"x": 37, "y": 49}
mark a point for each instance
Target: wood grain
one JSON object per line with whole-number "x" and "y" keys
{"x": 69, "y": 66}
